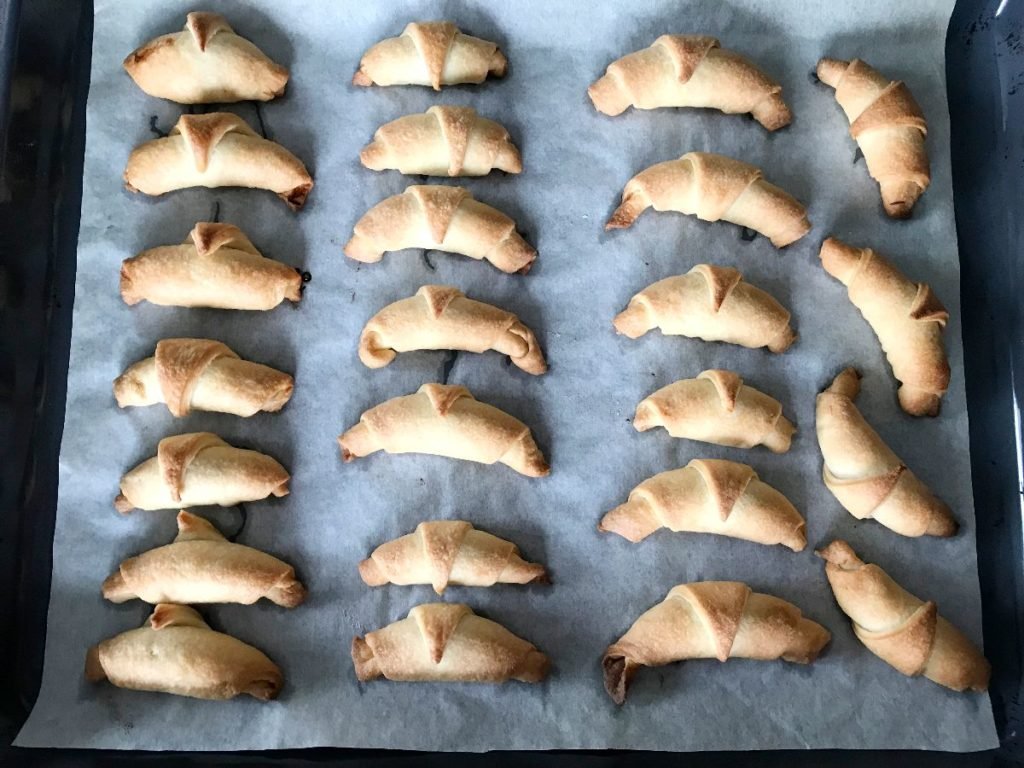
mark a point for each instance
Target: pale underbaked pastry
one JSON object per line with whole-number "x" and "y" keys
{"x": 710, "y": 303}
{"x": 433, "y": 53}
{"x": 207, "y": 63}
{"x": 717, "y": 407}
{"x": 441, "y": 317}
{"x": 201, "y": 566}
{"x": 443, "y": 141}
{"x": 218, "y": 149}
{"x": 448, "y": 552}
{"x": 176, "y": 652}
{"x": 690, "y": 71}
{"x": 714, "y": 187}
{"x": 889, "y": 128}
{"x": 907, "y": 318}
{"x": 447, "y": 642}
{"x": 709, "y": 496}
{"x": 904, "y": 631}
{"x": 863, "y": 473}
{"x": 217, "y": 266}
{"x": 198, "y": 469}
{"x": 711, "y": 620}
{"x": 440, "y": 218}
{"x": 445, "y": 420}
{"x": 203, "y": 375}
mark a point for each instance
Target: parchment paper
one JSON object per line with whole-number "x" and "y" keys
{"x": 576, "y": 163}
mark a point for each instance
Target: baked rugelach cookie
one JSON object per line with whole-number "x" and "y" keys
{"x": 206, "y": 63}
{"x": 443, "y": 141}
{"x": 202, "y": 375}
{"x": 690, "y": 71}
{"x": 907, "y": 318}
{"x": 176, "y": 652}
{"x": 711, "y": 620}
{"x": 448, "y": 552}
{"x": 445, "y": 420}
{"x": 440, "y": 218}
{"x": 709, "y": 303}
{"x": 201, "y": 566}
{"x": 889, "y": 128}
{"x": 433, "y": 53}
{"x": 902, "y": 630}
{"x": 713, "y": 188}
{"x": 709, "y": 496}
{"x": 717, "y": 407}
{"x": 199, "y": 469}
{"x": 218, "y": 149}
{"x": 441, "y": 317}
{"x": 217, "y": 266}
{"x": 865, "y": 476}
{"x": 447, "y": 642}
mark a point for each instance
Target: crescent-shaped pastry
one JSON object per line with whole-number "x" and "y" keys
{"x": 710, "y": 303}
{"x": 441, "y": 317}
{"x": 444, "y": 219}
{"x": 207, "y": 63}
{"x": 709, "y": 496}
{"x": 690, "y": 71}
{"x": 217, "y": 266}
{"x": 444, "y": 552}
{"x": 902, "y": 630}
{"x": 711, "y": 620}
{"x": 907, "y": 318}
{"x": 443, "y": 141}
{"x": 199, "y": 469}
{"x": 433, "y": 53}
{"x": 218, "y": 149}
{"x": 447, "y": 642}
{"x": 176, "y": 652}
{"x": 717, "y": 407}
{"x": 865, "y": 476}
{"x": 445, "y": 420}
{"x": 203, "y": 375}
{"x": 714, "y": 187}
{"x": 889, "y": 128}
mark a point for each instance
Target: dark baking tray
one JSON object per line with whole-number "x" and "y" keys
{"x": 45, "y": 49}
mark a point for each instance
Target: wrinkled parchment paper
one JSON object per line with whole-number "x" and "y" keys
{"x": 576, "y": 163}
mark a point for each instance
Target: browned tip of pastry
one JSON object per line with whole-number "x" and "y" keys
{"x": 841, "y": 555}
{"x": 838, "y": 258}
{"x": 799, "y": 225}
{"x": 128, "y": 388}
{"x": 513, "y": 254}
{"x": 498, "y": 65}
{"x": 919, "y": 402}
{"x": 780, "y": 439}
{"x": 280, "y": 395}
{"x": 811, "y": 639}
{"x": 646, "y": 417}
{"x": 846, "y": 384}
{"x": 519, "y": 571}
{"x": 127, "y": 287}
{"x": 618, "y": 674}
{"x": 94, "y": 671}
{"x": 634, "y": 321}
{"x": 942, "y": 525}
{"x": 371, "y": 573}
{"x": 374, "y": 156}
{"x": 772, "y": 112}
{"x": 356, "y": 442}
{"x": 831, "y": 71}
{"x": 364, "y": 661}
{"x": 296, "y": 198}
{"x": 783, "y": 341}
{"x": 115, "y": 589}
{"x": 632, "y": 206}
{"x": 631, "y": 521}
{"x": 361, "y": 78}
{"x": 797, "y": 540}
{"x": 608, "y": 97}
{"x": 122, "y": 505}
{"x": 362, "y": 249}
{"x": 534, "y": 669}
{"x": 508, "y": 159}
{"x": 282, "y": 489}
{"x": 267, "y": 685}
{"x": 899, "y": 196}
{"x": 289, "y": 592}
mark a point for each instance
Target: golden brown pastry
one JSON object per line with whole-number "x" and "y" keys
{"x": 447, "y": 642}
{"x": 443, "y": 552}
{"x": 443, "y": 141}
{"x": 444, "y": 219}
{"x": 714, "y": 187}
{"x": 176, "y": 652}
{"x": 900, "y": 629}
{"x": 218, "y": 149}
{"x": 716, "y": 407}
{"x": 709, "y": 496}
{"x": 710, "y": 303}
{"x": 863, "y": 473}
{"x": 433, "y": 53}
{"x": 204, "y": 375}
{"x": 445, "y": 420}
{"x": 907, "y": 318}
{"x": 889, "y": 128}
{"x": 441, "y": 317}
{"x": 690, "y": 71}
{"x": 207, "y": 63}
{"x": 199, "y": 469}
{"x": 217, "y": 266}
{"x": 201, "y": 566}
{"x": 711, "y": 620}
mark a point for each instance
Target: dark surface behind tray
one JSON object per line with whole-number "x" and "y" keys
{"x": 44, "y": 65}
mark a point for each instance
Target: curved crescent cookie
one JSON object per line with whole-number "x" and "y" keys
{"x": 218, "y": 149}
